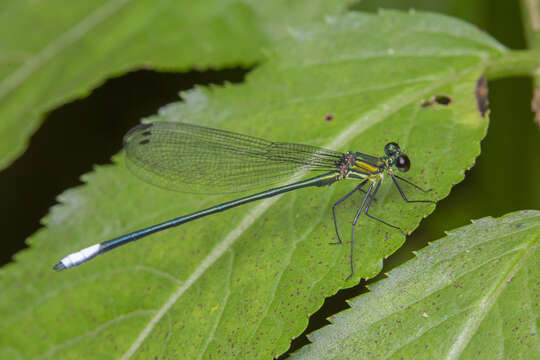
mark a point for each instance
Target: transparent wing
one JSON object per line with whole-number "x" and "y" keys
{"x": 196, "y": 159}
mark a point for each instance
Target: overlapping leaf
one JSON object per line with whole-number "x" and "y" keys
{"x": 471, "y": 295}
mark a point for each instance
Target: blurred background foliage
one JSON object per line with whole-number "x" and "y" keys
{"x": 88, "y": 131}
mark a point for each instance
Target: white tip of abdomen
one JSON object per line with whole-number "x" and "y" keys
{"x": 78, "y": 257}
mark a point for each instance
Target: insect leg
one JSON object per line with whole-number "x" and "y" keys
{"x": 351, "y": 254}
{"x": 410, "y": 183}
{"x": 359, "y": 187}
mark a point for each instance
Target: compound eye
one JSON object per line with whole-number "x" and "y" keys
{"x": 391, "y": 148}
{"x": 403, "y": 163}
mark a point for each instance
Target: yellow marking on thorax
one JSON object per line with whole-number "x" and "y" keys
{"x": 364, "y": 166}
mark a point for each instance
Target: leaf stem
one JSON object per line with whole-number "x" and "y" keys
{"x": 514, "y": 63}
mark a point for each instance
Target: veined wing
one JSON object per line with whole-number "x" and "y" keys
{"x": 197, "y": 159}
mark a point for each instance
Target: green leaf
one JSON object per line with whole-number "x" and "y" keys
{"x": 241, "y": 284}
{"x": 80, "y": 44}
{"x": 471, "y": 295}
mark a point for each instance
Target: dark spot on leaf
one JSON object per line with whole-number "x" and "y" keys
{"x": 146, "y": 133}
{"x": 329, "y": 117}
{"x": 438, "y": 99}
{"x": 481, "y": 93}
{"x": 443, "y": 100}
{"x": 143, "y": 142}
{"x": 518, "y": 226}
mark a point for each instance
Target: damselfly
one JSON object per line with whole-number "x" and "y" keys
{"x": 198, "y": 159}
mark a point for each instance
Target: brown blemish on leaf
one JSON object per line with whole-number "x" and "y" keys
{"x": 481, "y": 93}
{"x": 535, "y": 106}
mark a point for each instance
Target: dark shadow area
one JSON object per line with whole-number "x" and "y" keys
{"x": 78, "y": 135}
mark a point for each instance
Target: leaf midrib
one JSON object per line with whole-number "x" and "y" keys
{"x": 470, "y": 327}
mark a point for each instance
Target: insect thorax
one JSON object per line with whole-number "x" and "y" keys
{"x": 352, "y": 166}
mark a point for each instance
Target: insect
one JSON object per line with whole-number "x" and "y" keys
{"x": 197, "y": 159}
